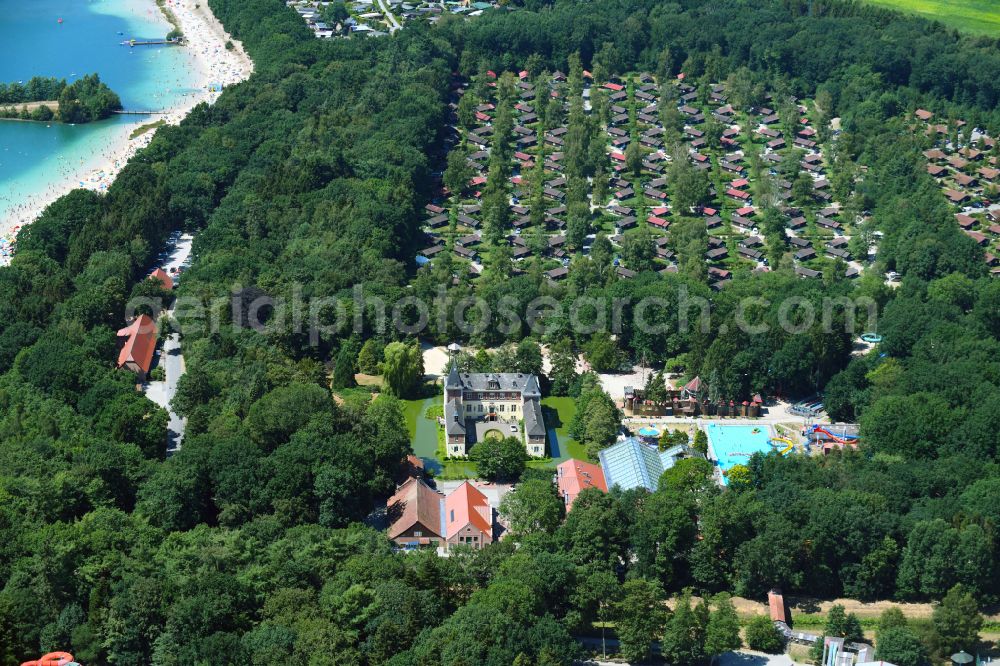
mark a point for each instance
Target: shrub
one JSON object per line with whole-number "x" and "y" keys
{"x": 763, "y": 636}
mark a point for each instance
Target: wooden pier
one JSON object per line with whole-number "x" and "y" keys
{"x": 124, "y": 112}
{"x": 153, "y": 42}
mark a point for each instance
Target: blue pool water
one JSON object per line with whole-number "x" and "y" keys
{"x": 733, "y": 445}
{"x": 35, "y": 156}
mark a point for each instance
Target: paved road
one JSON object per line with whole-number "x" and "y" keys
{"x": 163, "y": 392}
{"x": 394, "y": 24}
{"x": 171, "y": 359}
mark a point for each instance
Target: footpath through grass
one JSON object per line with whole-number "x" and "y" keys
{"x": 981, "y": 17}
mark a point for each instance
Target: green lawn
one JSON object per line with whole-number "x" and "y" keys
{"x": 976, "y": 16}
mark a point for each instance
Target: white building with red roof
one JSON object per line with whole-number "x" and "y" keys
{"x": 575, "y": 476}
{"x": 468, "y": 517}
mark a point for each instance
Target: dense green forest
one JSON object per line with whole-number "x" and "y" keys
{"x": 246, "y": 546}
{"x": 85, "y": 100}
{"x": 37, "y": 89}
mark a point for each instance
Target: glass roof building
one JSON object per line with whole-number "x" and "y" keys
{"x": 632, "y": 464}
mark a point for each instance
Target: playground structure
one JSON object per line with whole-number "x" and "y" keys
{"x": 52, "y": 659}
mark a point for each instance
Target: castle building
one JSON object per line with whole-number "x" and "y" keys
{"x": 505, "y": 404}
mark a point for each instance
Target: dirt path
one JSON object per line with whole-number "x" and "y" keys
{"x": 864, "y": 610}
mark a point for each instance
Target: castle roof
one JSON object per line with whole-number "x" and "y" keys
{"x": 496, "y": 381}
{"x": 531, "y": 388}
{"x": 534, "y": 425}
{"x": 453, "y": 381}
{"x": 454, "y": 418}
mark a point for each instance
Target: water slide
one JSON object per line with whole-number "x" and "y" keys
{"x": 846, "y": 440}
{"x": 783, "y": 440}
{"x": 53, "y": 659}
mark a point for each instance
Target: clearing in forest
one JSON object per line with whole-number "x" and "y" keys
{"x": 981, "y": 17}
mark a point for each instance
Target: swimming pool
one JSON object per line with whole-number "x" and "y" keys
{"x": 733, "y": 445}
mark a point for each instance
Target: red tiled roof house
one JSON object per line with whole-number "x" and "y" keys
{"x": 468, "y": 517}
{"x": 415, "y": 511}
{"x": 574, "y": 476}
{"x": 137, "y": 342}
{"x": 163, "y": 278}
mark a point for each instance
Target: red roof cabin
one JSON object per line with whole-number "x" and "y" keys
{"x": 776, "y": 606}
{"x": 138, "y": 345}
{"x": 965, "y": 221}
{"x": 163, "y": 277}
{"x": 956, "y": 196}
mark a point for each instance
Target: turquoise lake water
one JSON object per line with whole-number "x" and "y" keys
{"x": 34, "y": 156}
{"x": 734, "y": 444}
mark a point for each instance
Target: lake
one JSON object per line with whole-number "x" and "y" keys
{"x": 34, "y": 156}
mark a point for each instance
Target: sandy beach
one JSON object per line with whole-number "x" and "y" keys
{"x": 216, "y": 68}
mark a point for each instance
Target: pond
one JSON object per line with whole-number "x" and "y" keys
{"x": 423, "y": 432}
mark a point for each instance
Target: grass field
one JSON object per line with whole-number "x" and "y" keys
{"x": 142, "y": 129}
{"x": 981, "y": 17}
